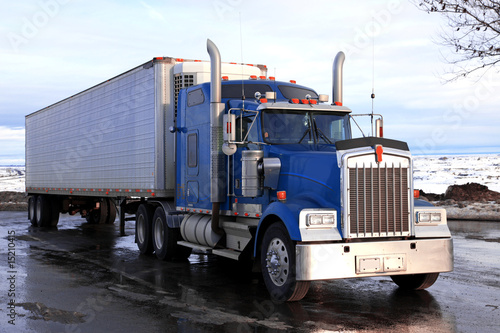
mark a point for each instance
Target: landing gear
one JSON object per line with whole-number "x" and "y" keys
{"x": 278, "y": 265}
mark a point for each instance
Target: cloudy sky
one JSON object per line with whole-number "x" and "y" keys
{"x": 51, "y": 49}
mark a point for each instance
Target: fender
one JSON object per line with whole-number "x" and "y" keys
{"x": 288, "y": 212}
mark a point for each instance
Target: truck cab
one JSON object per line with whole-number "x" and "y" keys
{"x": 303, "y": 197}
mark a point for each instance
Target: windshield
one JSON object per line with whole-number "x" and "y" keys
{"x": 307, "y": 127}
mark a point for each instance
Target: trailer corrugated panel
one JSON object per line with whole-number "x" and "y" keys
{"x": 102, "y": 138}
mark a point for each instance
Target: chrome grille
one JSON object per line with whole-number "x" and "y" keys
{"x": 378, "y": 200}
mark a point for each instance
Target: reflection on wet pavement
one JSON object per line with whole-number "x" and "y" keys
{"x": 84, "y": 277}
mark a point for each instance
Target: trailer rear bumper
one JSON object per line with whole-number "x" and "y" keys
{"x": 326, "y": 261}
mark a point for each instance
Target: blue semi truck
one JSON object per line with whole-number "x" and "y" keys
{"x": 221, "y": 158}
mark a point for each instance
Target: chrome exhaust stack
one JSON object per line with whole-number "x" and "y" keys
{"x": 217, "y": 179}
{"x": 338, "y": 64}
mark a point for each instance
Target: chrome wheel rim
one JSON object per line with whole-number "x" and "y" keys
{"x": 159, "y": 233}
{"x": 277, "y": 262}
{"x": 141, "y": 232}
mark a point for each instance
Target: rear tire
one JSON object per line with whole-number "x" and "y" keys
{"x": 111, "y": 212}
{"x": 100, "y": 215}
{"x": 143, "y": 232}
{"x": 415, "y": 281}
{"x": 32, "y": 210}
{"x": 277, "y": 259}
{"x": 46, "y": 212}
{"x": 165, "y": 238}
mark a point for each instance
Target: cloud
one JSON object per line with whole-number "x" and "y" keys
{"x": 12, "y": 145}
{"x": 153, "y": 13}
{"x": 12, "y": 134}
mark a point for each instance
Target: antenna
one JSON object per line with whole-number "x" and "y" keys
{"x": 373, "y": 77}
{"x": 242, "y": 72}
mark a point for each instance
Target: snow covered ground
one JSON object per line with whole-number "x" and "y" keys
{"x": 12, "y": 178}
{"x": 432, "y": 174}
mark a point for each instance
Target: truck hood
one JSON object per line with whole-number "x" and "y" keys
{"x": 309, "y": 173}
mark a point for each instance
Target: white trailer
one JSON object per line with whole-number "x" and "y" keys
{"x": 111, "y": 141}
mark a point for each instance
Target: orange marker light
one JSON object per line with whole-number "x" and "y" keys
{"x": 416, "y": 194}
{"x": 293, "y": 81}
{"x": 281, "y": 195}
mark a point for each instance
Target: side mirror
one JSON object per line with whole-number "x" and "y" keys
{"x": 229, "y": 134}
{"x": 379, "y": 128}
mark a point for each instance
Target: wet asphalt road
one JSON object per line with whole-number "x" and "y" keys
{"x": 86, "y": 278}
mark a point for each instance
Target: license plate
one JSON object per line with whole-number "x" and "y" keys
{"x": 380, "y": 264}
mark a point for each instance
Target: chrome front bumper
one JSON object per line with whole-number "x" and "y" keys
{"x": 348, "y": 260}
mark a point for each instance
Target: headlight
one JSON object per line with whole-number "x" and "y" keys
{"x": 428, "y": 217}
{"x": 321, "y": 220}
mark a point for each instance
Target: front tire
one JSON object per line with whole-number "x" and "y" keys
{"x": 415, "y": 281}
{"x": 278, "y": 265}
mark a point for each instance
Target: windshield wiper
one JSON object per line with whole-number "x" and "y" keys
{"x": 320, "y": 133}
{"x": 308, "y": 130}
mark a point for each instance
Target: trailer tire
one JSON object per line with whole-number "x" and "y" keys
{"x": 55, "y": 205}
{"x": 111, "y": 212}
{"x": 165, "y": 238}
{"x": 143, "y": 232}
{"x": 415, "y": 281}
{"x": 43, "y": 211}
{"x": 99, "y": 216}
{"x": 278, "y": 265}
{"x": 32, "y": 210}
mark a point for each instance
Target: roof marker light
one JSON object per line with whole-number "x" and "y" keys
{"x": 338, "y": 103}
{"x": 225, "y": 78}
{"x": 293, "y": 81}
{"x": 272, "y": 78}
{"x": 295, "y": 100}
{"x": 304, "y": 101}
{"x": 253, "y": 77}
{"x": 313, "y": 101}
{"x": 179, "y": 60}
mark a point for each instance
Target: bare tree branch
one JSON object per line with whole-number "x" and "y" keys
{"x": 474, "y": 32}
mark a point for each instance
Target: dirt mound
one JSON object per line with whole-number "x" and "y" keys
{"x": 13, "y": 201}
{"x": 471, "y": 192}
